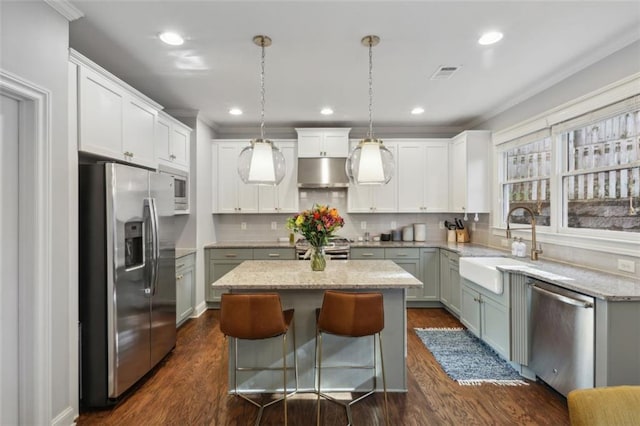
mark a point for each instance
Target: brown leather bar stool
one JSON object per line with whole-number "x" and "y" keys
{"x": 351, "y": 315}
{"x": 254, "y": 317}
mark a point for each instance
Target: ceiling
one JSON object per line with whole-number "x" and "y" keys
{"x": 317, "y": 60}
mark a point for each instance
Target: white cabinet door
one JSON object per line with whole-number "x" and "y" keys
{"x": 138, "y": 135}
{"x": 180, "y": 144}
{"x": 375, "y": 198}
{"x": 458, "y": 175}
{"x": 172, "y": 142}
{"x": 282, "y": 198}
{"x": 100, "y": 110}
{"x": 410, "y": 172}
{"x": 163, "y": 140}
{"x": 310, "y": 145}
{"x": 234, "y": 196}
{"x": 469, "y": 172}
{"x": 288, "y": 189}
{"x": 323, "y": 142}
{"x": 336, "y": 143}
{"x": 436, "y": 179}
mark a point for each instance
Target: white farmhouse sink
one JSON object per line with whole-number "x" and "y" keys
{"x": 482, "y": 270}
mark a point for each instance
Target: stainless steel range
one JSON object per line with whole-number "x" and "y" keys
{"x": 338, "y": 248}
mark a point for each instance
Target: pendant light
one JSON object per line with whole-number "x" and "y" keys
{"x": 261, "y": 163}
{"x": 370, "y": 163}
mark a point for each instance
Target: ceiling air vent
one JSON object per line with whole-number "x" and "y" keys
{"x": 444, "y": 72}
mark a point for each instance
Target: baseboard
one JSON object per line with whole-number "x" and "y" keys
{"x": 199, "y": 310}
{"x": 65, "y": 418}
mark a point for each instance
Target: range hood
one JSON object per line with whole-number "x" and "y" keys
{"x": 322, "y": 172}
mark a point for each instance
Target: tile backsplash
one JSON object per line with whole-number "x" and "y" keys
{"x": 258, "y": 227}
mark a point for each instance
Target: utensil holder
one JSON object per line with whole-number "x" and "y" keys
{"x": 451, "y": 236}
{"x": 462, "y": 235}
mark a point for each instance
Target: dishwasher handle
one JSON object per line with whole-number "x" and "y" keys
{"x": 564, "y": 299}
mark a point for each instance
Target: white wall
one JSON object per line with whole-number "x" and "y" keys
{"x": 34, "y": 45}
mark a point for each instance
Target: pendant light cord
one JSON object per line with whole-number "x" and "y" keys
{"x": 262, "y": 93}
{"x": 370, "y": 88}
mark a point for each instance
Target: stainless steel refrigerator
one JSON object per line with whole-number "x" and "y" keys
{"x": 127, "y": 286}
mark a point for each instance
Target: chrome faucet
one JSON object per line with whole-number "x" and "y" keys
{"x": 535, "y": 250}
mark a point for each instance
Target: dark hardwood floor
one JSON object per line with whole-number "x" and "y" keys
{"x": 190, "y": 388}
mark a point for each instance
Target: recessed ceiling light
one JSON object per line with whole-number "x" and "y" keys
{"x": 174, "y": 39}
{"x": 326, "y": 111}
{"x": 490, "y": 38}
{"x": 235, "y": 111}
{"x": 417, "y": 110}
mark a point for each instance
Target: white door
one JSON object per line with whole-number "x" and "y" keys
{"x": 9, "y": 403}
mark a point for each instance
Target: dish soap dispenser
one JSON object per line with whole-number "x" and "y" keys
{"x": 514, "y": 247}
{"x": 522, "y": 248}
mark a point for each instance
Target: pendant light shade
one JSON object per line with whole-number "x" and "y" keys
{"x": 261, "y": 163}
{"x": 370, "y": 163}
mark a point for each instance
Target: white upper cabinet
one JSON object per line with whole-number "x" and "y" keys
{"x": 323, "y": 142}
{"x": 282, "y": 198}
{"x": 423, "y": 175}
{"x": 172, "y": 142}
{"x": 231, "y": 195}
{"x": 114, "y": 120}
{"x": 469, "y": 172}
{"x": 234, "y": 196}
{"x": 375, "y": 198}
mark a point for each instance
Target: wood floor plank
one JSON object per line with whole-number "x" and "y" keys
{"x": 190, "y": 388}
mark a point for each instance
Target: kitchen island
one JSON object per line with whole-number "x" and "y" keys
{"x": 302, "y": 289}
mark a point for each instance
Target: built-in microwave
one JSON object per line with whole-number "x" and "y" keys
{"x": 180, "y": 189}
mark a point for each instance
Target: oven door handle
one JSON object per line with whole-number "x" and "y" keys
{"x": 562, "y": 298}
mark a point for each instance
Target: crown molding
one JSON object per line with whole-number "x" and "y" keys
{"x": 66, "y": 9}
{"x": 192, "y": 113}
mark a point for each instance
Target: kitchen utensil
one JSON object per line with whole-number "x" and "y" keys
{"x": 419, "y": 231}
{"x": 459, "y": 224}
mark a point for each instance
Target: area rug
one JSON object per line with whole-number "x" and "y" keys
{"x": 467, "y": 359}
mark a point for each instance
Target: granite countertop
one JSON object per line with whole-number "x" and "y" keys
{"x": 602, "y": 285}
{"x": 182, "y": 252}
{"x": 295, "y": 274}
{"x": 594, "y": 283}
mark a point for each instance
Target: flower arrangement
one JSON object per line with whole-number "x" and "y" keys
{"x": 317, "y": 224}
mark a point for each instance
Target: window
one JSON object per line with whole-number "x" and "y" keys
{"x": 600, "y": 177}
{"x": 527, "y": 168}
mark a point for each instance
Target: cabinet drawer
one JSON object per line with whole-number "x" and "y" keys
{"x": 274, "y": 254}
{"x": 185, "y": 262}
{"x": 229, "y": 254}
{"x": 367, "y": 253}
{"x": 401, "y": 253}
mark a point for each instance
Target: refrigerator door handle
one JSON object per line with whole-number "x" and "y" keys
{"x": 156, "y": 245}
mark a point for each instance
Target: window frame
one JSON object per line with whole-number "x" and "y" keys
{"x": 554, "y": 121}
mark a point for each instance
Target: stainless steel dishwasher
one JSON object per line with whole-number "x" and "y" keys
{"x": 562, "y": 337}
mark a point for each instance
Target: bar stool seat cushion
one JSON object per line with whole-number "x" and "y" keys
{"x": 351, "y": 314}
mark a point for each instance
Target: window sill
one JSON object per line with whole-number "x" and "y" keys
{"x": 628, "y": 245}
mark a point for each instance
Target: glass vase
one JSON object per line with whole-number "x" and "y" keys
{"x": 318, "y": 260}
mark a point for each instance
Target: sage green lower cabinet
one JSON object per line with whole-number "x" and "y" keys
{"x": 450, "y": 281}
{"x": 486, "y": 315}
{"x": 430, "y": 263}
{"x": 222, "y": 260}
{"x": 185, "y": 287}
{"x": 409, "y": 260}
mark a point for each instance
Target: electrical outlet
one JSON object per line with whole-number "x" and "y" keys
{"x": 363, "y": 225}
{"x": 393, "y": 224}
{"x": 627, "y": 265}
{"x": 441, "y": 224}
{"x": 274, "y": 226}
{"x": 243, "y": 226}
{"x": 504, "y": 242}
